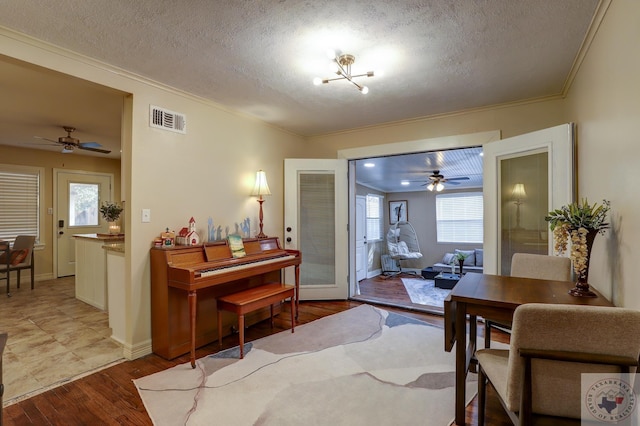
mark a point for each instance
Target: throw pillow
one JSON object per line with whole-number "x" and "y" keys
{"x": 448, "y": 258}
{"x": 403, "y": 248}
{"x": 470, "y": 260}
{"x": 479, "y": 257}
{"x": 16, "y": 257}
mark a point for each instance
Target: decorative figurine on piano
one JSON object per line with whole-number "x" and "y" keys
{"x": 168, "y": 238}
{"x": 193, "y": 239}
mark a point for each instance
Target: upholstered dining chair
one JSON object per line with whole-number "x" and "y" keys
{"x": 20, "y": 258}
{"x": 539, "y": 376}
{"x": 538, "y": 266}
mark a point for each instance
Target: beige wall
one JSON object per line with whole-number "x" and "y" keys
{"x": 604, "y": 101}
{"x": 510, "y": 120}
{"x": 48, "y": 161}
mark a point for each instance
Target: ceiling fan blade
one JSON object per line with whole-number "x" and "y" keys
{"x": 457, "y": 178}
{"x": 90, "y": 145}
{"x": 103, "y": 151}
{"x": 452, "y": 183}
{"x": 47, "y": 139}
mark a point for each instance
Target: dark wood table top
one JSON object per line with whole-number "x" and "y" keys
{"x": 510, "y": 292}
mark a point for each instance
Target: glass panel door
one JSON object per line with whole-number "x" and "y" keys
{"x": 317, "y": 227}
{"x": 524, "y": 195}
{"x": 315, "y": 220}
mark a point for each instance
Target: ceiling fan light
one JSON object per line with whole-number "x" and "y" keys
{"x": 439, "y": 187}
{"x": 317, "y": 81}
{"x": 430, "y": 187}
{"x": 364, "y": 90}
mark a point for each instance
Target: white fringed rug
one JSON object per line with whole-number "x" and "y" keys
{"x": 365, "y": 366}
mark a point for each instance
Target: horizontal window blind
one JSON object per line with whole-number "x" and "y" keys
{"x": 19, "y": 202}
{"x": 459, "y": 217}
{"x": 374, "y": 217}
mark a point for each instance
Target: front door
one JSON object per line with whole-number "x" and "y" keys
{"x": 525, "y": 177}
{"x": 315, "y": 221}
{"x": 78, "y": 198}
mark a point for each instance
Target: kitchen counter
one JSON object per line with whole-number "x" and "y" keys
{"x": 91, "y": 266}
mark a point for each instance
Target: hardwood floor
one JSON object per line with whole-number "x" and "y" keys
{"x": 109, "y": 397}
{"x": 389, "y": 291}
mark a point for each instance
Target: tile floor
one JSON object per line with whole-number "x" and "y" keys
{"x": 52, "y": 338}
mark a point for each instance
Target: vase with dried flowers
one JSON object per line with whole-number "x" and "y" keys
{"x": 111, "y": 213}
{"x": 578, "y": 223}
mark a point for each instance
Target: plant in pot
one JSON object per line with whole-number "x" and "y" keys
{"x": 111, "y": 213}
{"x": 578, "y": 224}
{"x": 459, "y": 258}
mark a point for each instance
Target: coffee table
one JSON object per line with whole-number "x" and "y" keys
{"x": 446, "y": 281}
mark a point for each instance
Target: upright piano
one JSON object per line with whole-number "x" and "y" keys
{"x": 186, "y": 280}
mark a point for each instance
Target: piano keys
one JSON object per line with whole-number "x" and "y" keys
{"x": 186, "y": 280}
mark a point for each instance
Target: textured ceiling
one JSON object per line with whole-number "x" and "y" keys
{"x": 260, "y": 57}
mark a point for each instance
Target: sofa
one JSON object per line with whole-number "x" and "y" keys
{"x": 472, "y": 263}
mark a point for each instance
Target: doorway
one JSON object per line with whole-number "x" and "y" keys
{"x": 78, "y": 196}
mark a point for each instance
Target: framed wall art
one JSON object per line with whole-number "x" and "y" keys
{"x": 397, "y": 211}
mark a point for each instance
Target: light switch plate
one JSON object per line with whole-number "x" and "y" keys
{"x": 146, "y": 215}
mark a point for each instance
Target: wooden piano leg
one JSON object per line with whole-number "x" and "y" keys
{"x": 220, "y": 328}
{"x": 241, "y": 331}
{"x": 294, "y": 313}
{"x": 192, "y": 314}
{"x": 271, "y": 315}
{"x": 297, "y": 302}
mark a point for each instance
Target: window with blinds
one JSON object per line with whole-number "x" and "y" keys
{"x": 374, "y": 217}
{"x": 19, "y": 201}
{"x": 459, "y": 217}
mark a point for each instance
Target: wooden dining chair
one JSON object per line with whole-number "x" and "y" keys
{"x": 5, "y": 261}
{"x": 537, "y": 266}
{"x": 552, "y": 345}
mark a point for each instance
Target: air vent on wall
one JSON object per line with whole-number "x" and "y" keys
{"x": 164, "y": 119}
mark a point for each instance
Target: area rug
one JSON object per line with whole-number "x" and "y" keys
{"x": 424, "y": 292}
{"x": 363, "y": 366}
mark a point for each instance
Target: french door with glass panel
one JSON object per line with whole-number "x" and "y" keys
{"x": 525, "y": 177}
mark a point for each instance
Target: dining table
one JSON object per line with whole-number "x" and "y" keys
{"x": 494, "y": 297}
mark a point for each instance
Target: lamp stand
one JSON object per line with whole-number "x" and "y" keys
{"x": 517, "y": 203}
{"x": 261, "y": 234}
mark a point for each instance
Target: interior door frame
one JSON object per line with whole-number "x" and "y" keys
{"x": 398, "y": 148}
{"x": 56, "y": 173}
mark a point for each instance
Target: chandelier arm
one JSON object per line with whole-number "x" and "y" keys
{"x": 345, "y": 73}
{"x": 355, "y": 84}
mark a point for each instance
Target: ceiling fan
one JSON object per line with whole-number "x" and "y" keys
{"x": 436, "y": 181}
{"x": 70, "y": 143}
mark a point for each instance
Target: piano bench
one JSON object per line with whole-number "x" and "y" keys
{"x": 251, "y": 299}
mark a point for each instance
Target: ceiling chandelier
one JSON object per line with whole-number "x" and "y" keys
{"x": 344, "y": 62}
